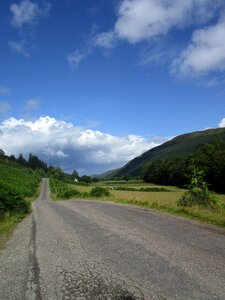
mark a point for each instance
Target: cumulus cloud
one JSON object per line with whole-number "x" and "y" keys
{"x": 151, "y": 21}
{"x": 140, "y": 20}
{"x": 206, "y": 52}
{"x": 222, "y": 123}
{"x": 32, "y": 104}
{"x": 4, "y": 107}
{"x": 71, "y": 147}
{"x": 27, "y": 12}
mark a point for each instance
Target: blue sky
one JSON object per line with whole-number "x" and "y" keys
{"x": 90, "y": 84}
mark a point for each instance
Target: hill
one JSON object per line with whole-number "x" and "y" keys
{"x": 17, "y": 185}
{"x": 178, "y": 146}
{"x": 22, "y": 179}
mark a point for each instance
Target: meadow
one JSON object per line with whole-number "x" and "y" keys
{"x": 152, "y": 196}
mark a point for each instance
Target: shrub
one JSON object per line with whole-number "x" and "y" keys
{"x": 11, "y": 200}
{"x": 99, "y": 192}
{"x": 198, "y": 193}
{"x": 68, "y": 193}
{"x": 61, "y": 189}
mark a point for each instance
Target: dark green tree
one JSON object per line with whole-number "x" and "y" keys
{"x": 198, "y": 193}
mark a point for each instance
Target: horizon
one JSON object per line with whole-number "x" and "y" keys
{"x": 90, "y": 86}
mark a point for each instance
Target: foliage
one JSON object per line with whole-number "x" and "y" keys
{"x": 23, "y": 180}
{"x": 177, "y": 171}
{"x": 173, "y": 171}
{"x": 131, "y": 189}
{"x": 180, "y": 146}
{"x": 11, "y": 200}
{"x": 61, "y": 189}
{"x": 86, "y": 179}
{"x": 57, "y": 173}
{"x": 35, "y": 163}
{"x": 198, "y": 193}
{"x": 16, "y": 184}
{"x": 99, "y": 192}
{"x": 75, "y": 175}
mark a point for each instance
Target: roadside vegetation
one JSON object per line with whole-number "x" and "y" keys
{"x": 191, "y": 186}
{"x": 136, "y": 192}
{"x": 18, "y": 188}
{"x": 62, "y": 190}
{"x": 210, "y": 159}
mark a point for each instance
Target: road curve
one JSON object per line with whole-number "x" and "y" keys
{"x": 98, "y": 250}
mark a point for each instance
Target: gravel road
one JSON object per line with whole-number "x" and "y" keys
{"x": 100, "y": 250}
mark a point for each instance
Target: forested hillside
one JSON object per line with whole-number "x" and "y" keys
{"x": 179, "y": 146}
{"x": 210, "y": 159}
{"x": 18, "y": 182}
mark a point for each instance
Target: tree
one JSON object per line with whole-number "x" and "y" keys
{"x": 21, "y": 160}
{"x": 86, "y": 179}
{"x": 35, "y": 163}
{"x": 57, "y": 173}
{"x": 126, "y": 177}
{"x": 2, "y": 154}
{"x": 198, "y": 193}
{"x": 12, "y": 158}
{"x": 75, "y": 175}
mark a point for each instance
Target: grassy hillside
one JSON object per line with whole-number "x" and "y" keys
{"x": 179, "y": 146}
{"x": 22, "y": 179}
{"x": 17, "y": 186}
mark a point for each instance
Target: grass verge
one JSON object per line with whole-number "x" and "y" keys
{"x": 10, "y": 220}
{"x": 164, "y": 201}
{"x": 7, "y": 226}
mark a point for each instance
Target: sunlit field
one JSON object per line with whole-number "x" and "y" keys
{"x": 165, "y": 201}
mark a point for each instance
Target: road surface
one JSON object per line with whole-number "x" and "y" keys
{"x": 97, "y": 250}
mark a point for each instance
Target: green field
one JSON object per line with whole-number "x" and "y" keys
{"x": 165, "y": 201}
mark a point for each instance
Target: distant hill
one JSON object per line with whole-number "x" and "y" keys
{"x": 179, "y": 146}
{"x": 106, "y": 175}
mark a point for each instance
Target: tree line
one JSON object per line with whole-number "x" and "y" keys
{"x": 33, "y": 161}
{"x": 210, "y": 159}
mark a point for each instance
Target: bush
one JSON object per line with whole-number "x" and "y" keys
{"x": 11, "y": 200}
{"x": 198, "y": 193}
{"x": 61, "y": 189}
{"x": 68, "y": 193}
{"x": 99, "y": 192}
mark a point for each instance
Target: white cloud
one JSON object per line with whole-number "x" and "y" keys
{"x": 4, "y": 90}
{"x": 151, "y": 21}
{"x": 70, "y": 146}
{"x": 27, "y": 12}
{"x": 19, "y": 47}
{"x": 4, "y": 107}
{"x": 140, "y": 20}
{"x": 106, "y": 40}
{"x": 76, "y": 57}
{"x": 222, "y": 123}
{"x": 32, "y": 104}
{"x": 206, "y": 52}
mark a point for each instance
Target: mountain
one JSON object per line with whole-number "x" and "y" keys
{"x": 179, "y": 146}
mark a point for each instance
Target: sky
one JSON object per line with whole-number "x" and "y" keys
{"x": 89, "y": 85}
